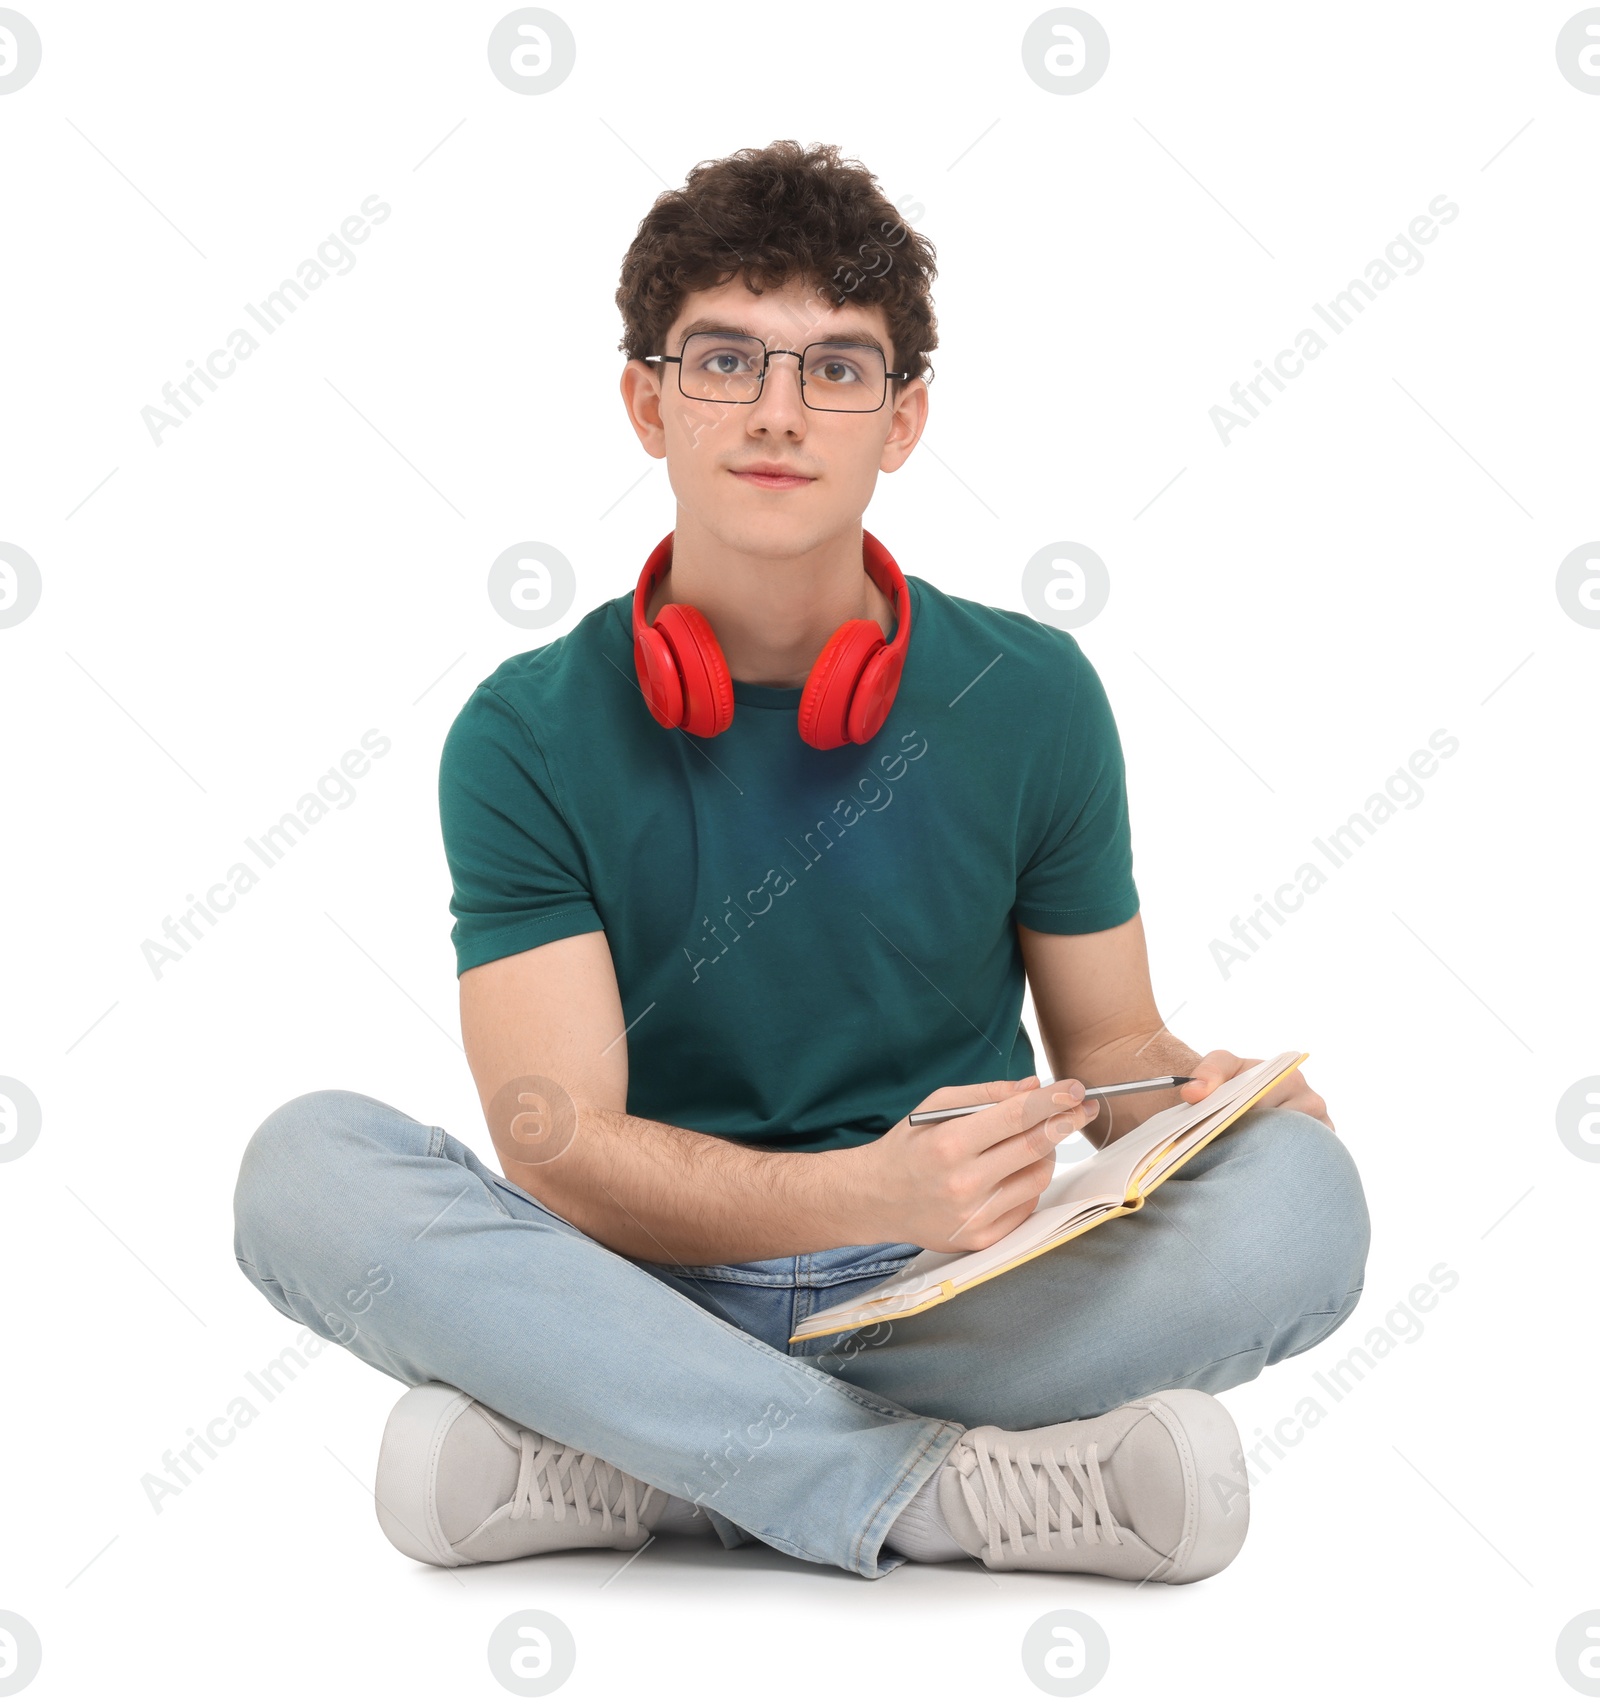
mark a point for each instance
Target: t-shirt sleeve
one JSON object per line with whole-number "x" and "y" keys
{"x": 518, "y": 873}
{"x": 1079, "y": 877}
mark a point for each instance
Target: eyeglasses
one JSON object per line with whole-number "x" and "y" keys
{"x": 729, "y": 367}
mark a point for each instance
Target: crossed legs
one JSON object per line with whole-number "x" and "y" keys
{"x": 392, "y": 1238}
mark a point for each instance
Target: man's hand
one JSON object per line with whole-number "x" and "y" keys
{"x": 1219, "y": 1066}
{"x": 962, "y": 1184}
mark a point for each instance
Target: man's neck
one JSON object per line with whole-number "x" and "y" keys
{"x": 771, "y": 615}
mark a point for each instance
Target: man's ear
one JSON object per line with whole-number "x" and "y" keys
{"x": 908, "y": 418}
{"x": 641, "y": 397}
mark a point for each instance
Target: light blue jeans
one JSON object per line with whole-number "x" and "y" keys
{"x": 392, "y": 1238}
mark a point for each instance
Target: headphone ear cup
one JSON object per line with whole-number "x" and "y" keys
{"x": 701, "y": 667}
{"x": 825, "y": 706}
{"x": 657, "y": 670}
{"x": 869, "y": 704}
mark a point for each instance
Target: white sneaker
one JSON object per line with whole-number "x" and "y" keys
{"x": 459, "y": 1484}
{"x": 1124, "y": 1495}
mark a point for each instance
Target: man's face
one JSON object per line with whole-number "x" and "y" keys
{"x": 708, "y": 444}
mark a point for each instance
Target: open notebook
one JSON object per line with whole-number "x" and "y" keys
{"x": 1113, "y": 1182}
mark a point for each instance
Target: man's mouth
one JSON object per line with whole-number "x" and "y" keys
{"x": 771, "y": 475}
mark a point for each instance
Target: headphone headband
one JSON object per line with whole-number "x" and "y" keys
{"x": 892, "y": 584}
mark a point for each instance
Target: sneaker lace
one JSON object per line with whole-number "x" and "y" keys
{"x": 566, "y": 1480}
{"x": 1047, "y": 1495}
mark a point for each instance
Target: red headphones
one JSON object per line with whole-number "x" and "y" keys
{"x": 847, "y": 695}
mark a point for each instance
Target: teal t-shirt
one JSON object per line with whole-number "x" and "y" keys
{"x": 807, "y": 943}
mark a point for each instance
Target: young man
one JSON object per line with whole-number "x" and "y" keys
{"x": 747, "y": 866}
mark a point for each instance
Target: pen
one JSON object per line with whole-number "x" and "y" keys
{"x": 933, "y": 1115}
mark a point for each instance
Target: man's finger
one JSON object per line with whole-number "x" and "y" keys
{"x": 1017, "y": 1113}
{"x": 1287, "y": 1092}
{"x": 1040, "y": 1139}
{"x": 959, "y": 1096}
{"x": 1022, "y": 1185}
{"x": 1211, "y": 1072}
{"x": 1308, "y": 1102}
{"x": 979, "y": 1236}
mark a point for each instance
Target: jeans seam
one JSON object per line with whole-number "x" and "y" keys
{"x": 1352, "y": 1297}
{"x": 738, "y": 1276}
{"x": 1217, "y": 1362}
{"x": 946, "y": 1435}
{"x": 1246, "y": 1351}
{"x": 258, "y": 1278}
{"x": 857, "y": 1396}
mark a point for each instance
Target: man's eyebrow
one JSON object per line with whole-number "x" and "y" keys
{"x": 849, "y": 334}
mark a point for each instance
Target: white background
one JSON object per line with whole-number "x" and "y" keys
{"x": 1373, "y": 560}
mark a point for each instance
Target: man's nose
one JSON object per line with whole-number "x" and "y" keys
{"x": 780, "y": 390}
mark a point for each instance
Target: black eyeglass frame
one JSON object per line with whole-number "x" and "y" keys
{"x": 799, "y": 355}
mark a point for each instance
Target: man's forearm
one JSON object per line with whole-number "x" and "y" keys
{"x": 666, "y": 1195}
{"x": 1099, "y": 1022}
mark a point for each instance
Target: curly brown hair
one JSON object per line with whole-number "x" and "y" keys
{"x": 773, "y": 214}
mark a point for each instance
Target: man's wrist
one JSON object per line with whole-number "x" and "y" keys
{"x": 1133, "y": 1057}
